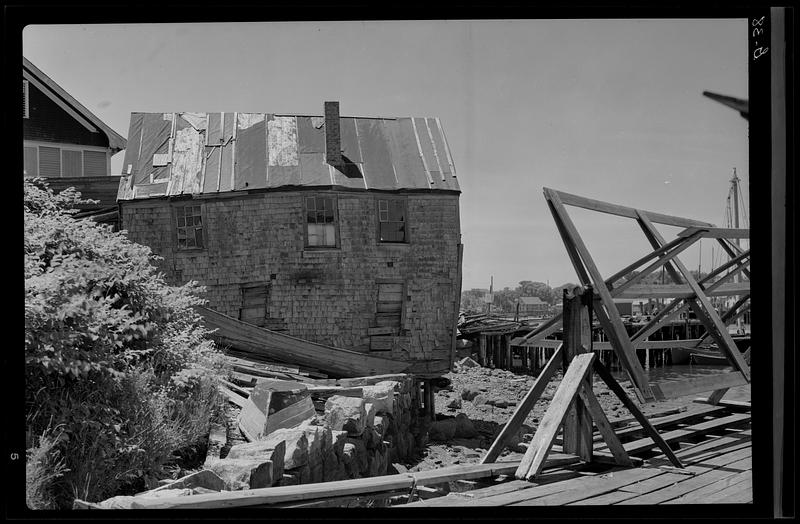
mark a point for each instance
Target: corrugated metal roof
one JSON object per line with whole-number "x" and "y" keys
{"x": 531, "y": 300}
{"x": 172, "y": 154}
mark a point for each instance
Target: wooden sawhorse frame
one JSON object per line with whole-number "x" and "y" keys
{"x": 687, "y": 293}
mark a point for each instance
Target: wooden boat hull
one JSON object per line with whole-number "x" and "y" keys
{"x": 679, "y": 356}
{"x": 336, "y": 362}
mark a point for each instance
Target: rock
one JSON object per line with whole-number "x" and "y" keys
{"x": 201, "y": 479}
{"x": 244, "y": 473}
{"x": 345, "y": 413}
{"x": 217, "y": 438}
{"x": 500, "y": 403}
{"x": 316, "y": 443}
{"x": 464, "y": 427}
{"x": 442, "y": 430}
{"x": 369, "y": 419}
{"x": 296, "y": 445}
{"x": 467, "y": 363}
{"x": 361, "y": 454}
{"x": 380, "y": 426}
{"x": 271, "y": 450}
{"x": 479, "y": 400}
{"x": 454, "y": 403}
{"x": 381, "y": 396}
{"x": 338, "y": 440}
{"x": 469, "y": 393}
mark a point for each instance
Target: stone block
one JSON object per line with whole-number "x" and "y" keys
{"x": 296, "y": 445}
{"x": 381, "y": 395}
{"x": 274, "y": 451}
{"x": 204, "y": 478}
{"x": 369, "y": 419}
{"x": 345, "y": 413}
{"x": 244, "y": 473}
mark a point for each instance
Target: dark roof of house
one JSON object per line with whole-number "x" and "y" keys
{"x": 173, "y": 154}
{"x": 30, "y": 72}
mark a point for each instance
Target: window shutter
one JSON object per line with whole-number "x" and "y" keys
{"x": 31, "y": 162}
{"x": 49, "y": 161}
{"x": 71, "y": 163}
{"x": 94, "y": 163}
{"x": 25, "y": 108}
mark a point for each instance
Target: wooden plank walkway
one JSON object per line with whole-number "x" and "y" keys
{"x": 718, "y": 470}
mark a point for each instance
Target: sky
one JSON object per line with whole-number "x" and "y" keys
{"x": 608, "y": 109}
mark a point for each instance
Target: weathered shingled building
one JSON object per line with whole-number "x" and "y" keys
{"x": 339, "y": 230}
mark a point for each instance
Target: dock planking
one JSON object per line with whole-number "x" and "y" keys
{"x": 717, "y": 470}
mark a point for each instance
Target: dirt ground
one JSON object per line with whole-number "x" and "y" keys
{"x": 498, "y": 392}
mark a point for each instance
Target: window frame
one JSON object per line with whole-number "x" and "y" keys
{"x": 83, "y": 149}
{"x": 407, "y": 232}
{"x": 182, "y": 205}
{"x": 26, "y": 100}
{"x": 337, "y": 238}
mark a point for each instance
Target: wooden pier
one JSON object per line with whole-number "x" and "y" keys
{"x": 714, "y": 445}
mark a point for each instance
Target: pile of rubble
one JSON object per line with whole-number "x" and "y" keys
{"x": 353, "y": 428}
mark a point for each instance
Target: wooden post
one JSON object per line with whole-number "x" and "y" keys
{"x": 430, "y": 400}
{"x": 482, "y": 350}
{"x": 578, "y": 340}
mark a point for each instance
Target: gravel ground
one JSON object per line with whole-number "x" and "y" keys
{"x": 498, "y": 392}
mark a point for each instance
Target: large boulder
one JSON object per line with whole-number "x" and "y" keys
{"x": 245, "y": 473}
{"x": 346, "y": 414}
{"x": 442, "y": 430}
{"x": 274, "y": 451}
{"x": 296, "y": 445}
{"x": 464, "y": 427}
{"x": 469, "y": 393}
{"x": 381, "y": 395}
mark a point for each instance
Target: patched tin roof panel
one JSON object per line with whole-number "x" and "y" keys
{"x": 206, "y": 153}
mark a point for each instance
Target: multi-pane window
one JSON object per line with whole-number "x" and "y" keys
{"x": 189, "y": 226}
{"x": 321, "y": 221}
{"x": 392, "y": 220}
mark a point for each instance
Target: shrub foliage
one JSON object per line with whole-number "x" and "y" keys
{"x": 115, "y": 357}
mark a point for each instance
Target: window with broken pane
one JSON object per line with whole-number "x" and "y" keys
{"x": 189, "y": 226}
{"x": 392, "y": 220}
{"x": 321, "y": 221}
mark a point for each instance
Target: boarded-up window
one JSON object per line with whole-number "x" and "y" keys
{"x": 254, "y": 304}
{"x": 321, "y": 221}
{"x": 390, "y": 305}
{"x": 31, "y": 161}
{"x": 71, "y": 163}
{"x": 94, "y": 163}
{"x": 49, "y": 161}
{"x": 392, "y": 220}
{"x": 189, "y": 221}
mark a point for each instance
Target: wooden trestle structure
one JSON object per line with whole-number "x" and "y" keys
{"x": 688, "y": 293}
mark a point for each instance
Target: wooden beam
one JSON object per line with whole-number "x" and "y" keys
{"x": 577, "y": 433}
{"x": 624, "y": 211}
{"x": 732, "y": 250}
{"x": 634, "y": 410}
{"x": 604, "y": 427}
{"x": 680, "y": 388}
{"x": 524, "y": 407}
{"x": 715, "y": 232}
{"x": 611, "y": 321}
{"x": 534, "y": 458}
{"x": 705, "y": 312}
{"x": 682, "y": 290}
{"x": 663, "y": 259}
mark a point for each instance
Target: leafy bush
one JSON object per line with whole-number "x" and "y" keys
{"x": 114, "y": 356}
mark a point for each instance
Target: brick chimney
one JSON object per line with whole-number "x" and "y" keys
{"x": 333, "y": 140}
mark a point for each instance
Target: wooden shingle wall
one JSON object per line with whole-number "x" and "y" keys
{"x": 328, "y": 296}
